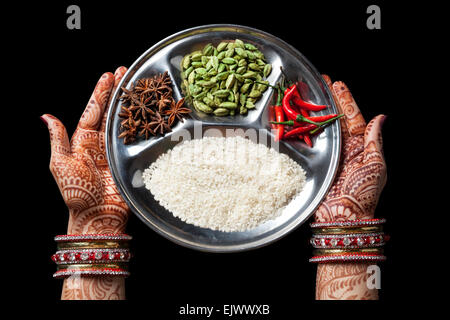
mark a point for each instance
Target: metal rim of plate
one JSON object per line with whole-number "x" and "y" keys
{"x": 173, "y": 228}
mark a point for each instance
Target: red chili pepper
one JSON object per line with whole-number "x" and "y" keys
{"x": 322, "y": 118}
{"x": 306, "y": 136}
{"x": 272, "y": 117}
{"x": 307, "y": 140}
{"x": 298, "y": 101}
{"x": 290, "y": 113}
{"x": 299, "y": 130}
{"x": 279, "y": 116}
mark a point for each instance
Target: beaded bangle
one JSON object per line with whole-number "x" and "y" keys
{"x": 348, "y": 223}
{"x": 90, "y": 237}
{"x": 91, "y": 272}
{"x": 355, "y": 240}
{"x": 92, "y": 255}
{"x": 348, "y": 241}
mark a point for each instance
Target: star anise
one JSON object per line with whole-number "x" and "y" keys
{"x": 144, "y": 108}
{"x": 146, "y": 129}
{"x": 146, "y": 87}
{"x": 176, "y": 111}
{"x": 159, "y": 124}
{"x": 126, "y": 114}
{"x": 163, "y": 79}
{"x": 129, "y": 96}
{"x": 141, "y": 108}
{"x": 129, "y": 130}
{"x": 164, "y": 101}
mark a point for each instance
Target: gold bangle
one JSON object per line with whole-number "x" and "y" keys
{"x": 93, "y": 245}
{"x": 325, "y": 252}
{"x": 92, "y": 266}
{"x": 348, "y": 230}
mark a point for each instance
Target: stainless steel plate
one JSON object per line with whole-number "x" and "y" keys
{"x": 127, "y": 162}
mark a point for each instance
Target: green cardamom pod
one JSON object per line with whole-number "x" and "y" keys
{"x": 221, "y": 55}
{"x": 222, "y": 75}
{"x": 250, "y": 55}
{"x": 260, "y": 62}
{"x": 242, "y": 99}
{"x": 209, "y": 102}
{"x": 254, "y": 66}
{"x": 221, "y": 93}
{"x": 228, "y": 105}
{"x": 241, "y": 52}
{"x": 267, "y": 70}
{"x": 229, "y": 53}
{"x": 238, "y": 76}
{"x": 191, "y": 78}
{"x": 196, "y": 56}
{"x": 188, "y": 71}
{"x": 222, "y": 46}
{"x": 200, "y": 70}
{"x": 231, "y": 97}
{"x": 239, "y": 43}
{"x": 250, "y": 47}
{"x": 230, "y": 81}
{"x": 215, "y": 62}
{"x": 242, "y": 63}
{"x": 249, "y": 74}
{"x": 228, "y": 61}
{"x": 203, "y": 107}
{"x": 221, "y": 112}
{"x": 221, "y": 68}
{"x": 186, "y": 61}
{"x": 207, "y": 48}
{"x": 249, "y": 105}
{"x": 245, "y": 87}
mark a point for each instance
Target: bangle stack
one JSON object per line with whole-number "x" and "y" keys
{"x": 92, "y": 255}
{"x": 343, "y": 241}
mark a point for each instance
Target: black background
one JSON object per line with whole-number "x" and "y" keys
{"x": 62, "y": 67}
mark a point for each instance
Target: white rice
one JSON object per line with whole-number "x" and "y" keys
{"x": 227, "y": 184}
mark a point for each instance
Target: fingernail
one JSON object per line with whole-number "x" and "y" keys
{"x": 44, "y": 120}
{"x": 383, "y": 119}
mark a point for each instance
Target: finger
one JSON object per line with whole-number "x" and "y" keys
{"x": 93, "y": 114}
{"x": 373, "y": 140}
{"x": 353, "y": 117}
{"x": 118, "y": 75}
{"x": 59, "y": 139}
{"x": 344, "y": 129}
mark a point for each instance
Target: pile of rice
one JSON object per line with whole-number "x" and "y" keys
{"x": 226, "y": 184}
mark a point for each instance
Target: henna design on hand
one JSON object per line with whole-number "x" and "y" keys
{"x": 362, "y": 172}
{"x": 93, "y": 288}
{"x": 81, "y": 171}
{"x": 354, "y": 194}
{"x": 343, "y": 281}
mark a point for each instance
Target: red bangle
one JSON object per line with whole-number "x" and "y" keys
{"x": 347, "y": 257}
{"x": 74, "y": 256}
{"x": 348, "y": 241}
{"x": 91, "y": 272}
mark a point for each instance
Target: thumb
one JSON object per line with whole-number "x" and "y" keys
{"x": 59, "y": 139}
{"x": 373, "y": 140}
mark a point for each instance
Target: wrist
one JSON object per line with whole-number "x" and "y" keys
{"x": 93, "y": 288}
